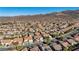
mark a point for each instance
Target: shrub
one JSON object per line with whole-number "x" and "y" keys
{"x": 19, "y": 48}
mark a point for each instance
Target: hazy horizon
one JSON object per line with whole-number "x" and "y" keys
{"x": 18, "y": 11}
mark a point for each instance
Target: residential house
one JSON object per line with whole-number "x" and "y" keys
{"x": 71, "y": 41}
{"x": 56, "y": 46}
{"x": 65, "y": 44}
{"x": 76, "y": 38}
{"x": 28, "y": 41}
{"x": 35, "y": 48}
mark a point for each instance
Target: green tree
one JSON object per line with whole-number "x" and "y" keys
{"x": 47, "y": 40}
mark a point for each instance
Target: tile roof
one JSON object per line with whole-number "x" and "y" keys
{"x": 71, "y": 41}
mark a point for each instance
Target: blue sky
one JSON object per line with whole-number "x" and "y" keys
{"x": 14, "y": 11}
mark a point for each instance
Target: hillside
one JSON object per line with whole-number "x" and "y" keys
{"x": 68, "y": 15}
